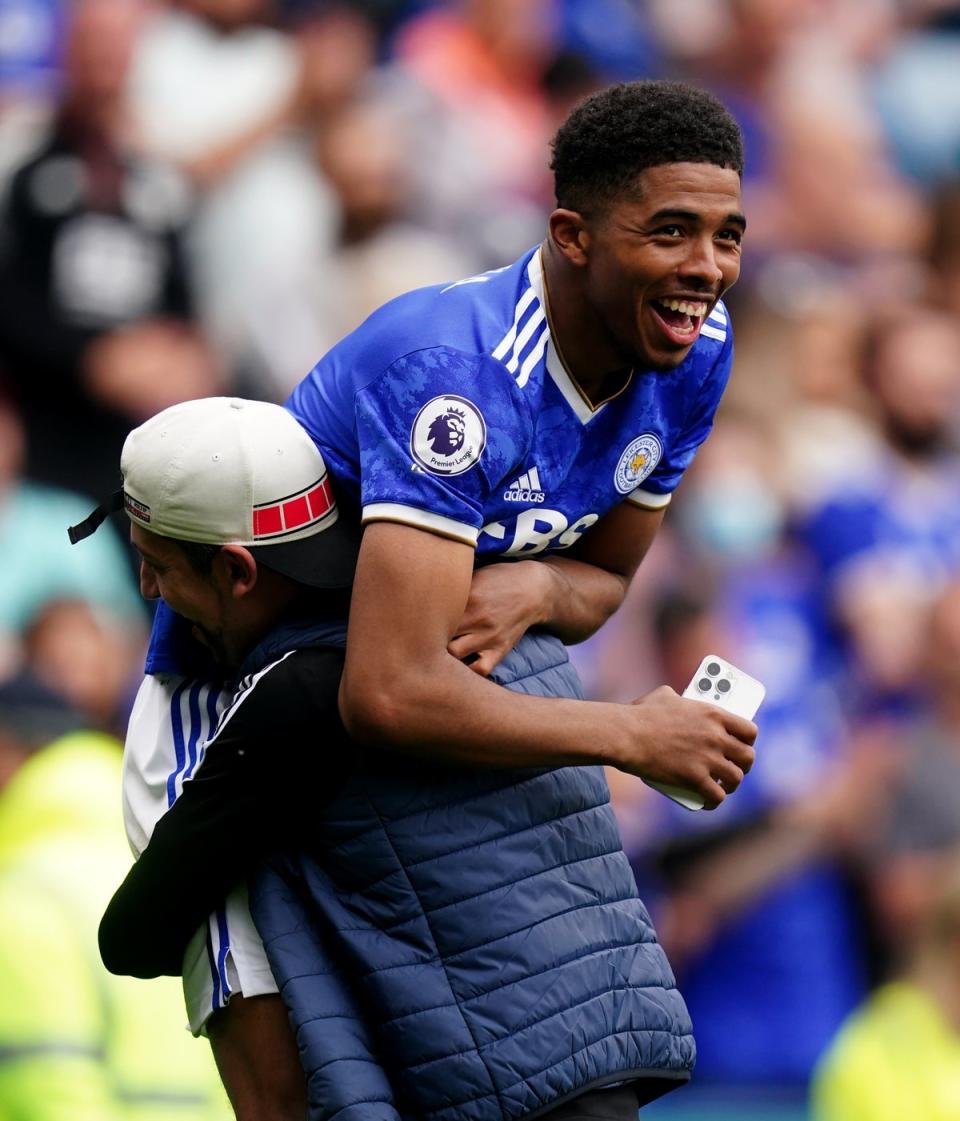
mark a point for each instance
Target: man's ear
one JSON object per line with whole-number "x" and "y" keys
{"x": 569, "y": 233}
{"x": 238, "y": 569}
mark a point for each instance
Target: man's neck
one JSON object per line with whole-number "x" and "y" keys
{"x": 280, "y": 602}
{"x": 582, "y": 343}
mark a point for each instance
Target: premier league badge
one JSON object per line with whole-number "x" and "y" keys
{"x": 639, "y": 458}
{"x": 448, "y": 436}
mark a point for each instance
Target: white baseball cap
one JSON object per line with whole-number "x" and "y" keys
{"x": 223, "y": 470}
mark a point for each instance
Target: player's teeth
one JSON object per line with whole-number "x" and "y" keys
{"x": 694, "y": 309}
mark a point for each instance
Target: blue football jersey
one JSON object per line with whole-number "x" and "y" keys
{"x": 450, "y": 410}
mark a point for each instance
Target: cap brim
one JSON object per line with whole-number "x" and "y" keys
{"x": 325, "y": 560}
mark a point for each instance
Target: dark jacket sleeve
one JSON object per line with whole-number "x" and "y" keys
{"x": 280, "y": 753}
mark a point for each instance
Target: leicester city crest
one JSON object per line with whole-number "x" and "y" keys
{"x": 639, "y": 458}
{"x": 448, "y": 436}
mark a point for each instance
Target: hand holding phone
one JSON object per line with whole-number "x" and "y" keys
{"x": 720, "y": 683}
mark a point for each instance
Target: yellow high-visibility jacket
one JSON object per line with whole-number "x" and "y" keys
{"x": 895, "y": 1059}
{"x": 77, "y": 1044}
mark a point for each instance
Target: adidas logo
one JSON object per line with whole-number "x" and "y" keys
{"x": 526, "y": 488}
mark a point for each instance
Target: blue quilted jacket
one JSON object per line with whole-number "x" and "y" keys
{"x": 467, "y": 944}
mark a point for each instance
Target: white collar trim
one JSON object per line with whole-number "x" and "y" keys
{"x": 555, "y": 368}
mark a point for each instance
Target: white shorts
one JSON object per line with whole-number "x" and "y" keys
{"x": 172, "y": 719}
{"x": 225, "y": 958}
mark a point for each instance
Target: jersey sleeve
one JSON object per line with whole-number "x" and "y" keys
{"x": 280, "y": 752}
{"x": 658, "y": 488}
{"x": 438, "y": 432}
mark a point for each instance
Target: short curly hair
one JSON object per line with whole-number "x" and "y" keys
{"x": 614, "y": 135}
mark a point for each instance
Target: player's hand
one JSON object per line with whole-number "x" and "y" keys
{"x": 505, "y": 601}
{"x": 690, "y": 744}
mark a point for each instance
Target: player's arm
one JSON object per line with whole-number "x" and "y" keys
{"x": 592, "y": 580}
{"x": 571, "y": 595}
{"x": 278, "y": 757}
{"x": 402, "y": 688}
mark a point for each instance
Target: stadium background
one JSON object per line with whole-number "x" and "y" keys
{"x": 300, "y": 162}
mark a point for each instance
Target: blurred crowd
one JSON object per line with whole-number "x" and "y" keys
{"x": 200, "y": 196}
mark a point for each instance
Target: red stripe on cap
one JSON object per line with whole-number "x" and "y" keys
{"x": 266, "y": 520}
{"x": 321, "y": 499}
{"x": 296, "y": 512}
{"x": 293, "y": 513}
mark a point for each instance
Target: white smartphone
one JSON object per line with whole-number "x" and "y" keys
{"x": 718, "y": 683}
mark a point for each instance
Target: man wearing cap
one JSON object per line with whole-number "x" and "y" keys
{"x": 278, "y": 771}
{"x": 200, "y": 484}
{"x": 547, "y": 411}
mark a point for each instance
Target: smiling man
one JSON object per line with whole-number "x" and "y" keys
{"x": 462, "y": 939}
{"x": 540, "y": 414}
{"x": 545, "y": 410}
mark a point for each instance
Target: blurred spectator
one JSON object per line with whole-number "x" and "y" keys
{"x": 222, "y": 93}
{"x": 31, "y": 715}
{"x": 920, "y": 832}
{"x": 816, "y": 540}
{"x": 899, "y": 1055}
{"x": 944, "y": 248}
{"x": 796, "y": 74}
{"x": 884, "y": 527}
{"x": 94, "y": 302}
{"x": 755, "y": 904}
{"x": 861, "y": 210}
{"x": 566, "y": 81}
{"x": 731, "y": 509}
{"x": 380, "y": 252}
{"x": 77, "y": 1044}
{"x": 30, "y": 32}
{"x": 818, "y": 114}
{"x": 614, "y": 35}
{"x": 39, "y": 564}
{"x": 758, "y": 889}
{"x": 918, "y": 96}
{"x": 473, "y": 87}
{"x": 89, "y": 658}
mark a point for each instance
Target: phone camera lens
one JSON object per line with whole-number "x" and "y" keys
{"x": 704, "y": 684}
{"x": 713, "y": 669}
{"x": 723, "y": 686}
